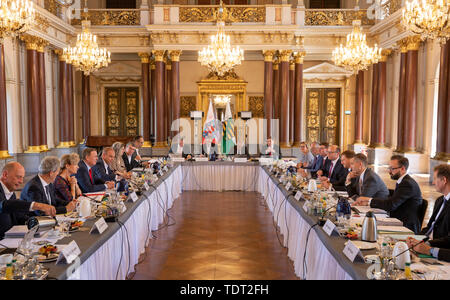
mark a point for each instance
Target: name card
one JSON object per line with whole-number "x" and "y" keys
{"x": 266, "y": 161}
{"x": 305, "y": 206}
{"x": 100, "y": 226}
{"x": 240, "y": 159}
{"x": 352, "y": 251}
{"x": 288, "y": 186}
{"x": 298, "y": 195}
{"x": 160, "y": 173}
{"x": 146, "y": 187}
{"x": 69, "y": 253}
{"x": 166, "y": 169}
{"x": 133, "y": 197}
{"x": 178, "y": 159}
{"x": 329, "y": 227}
{"x": 201, "y": 159}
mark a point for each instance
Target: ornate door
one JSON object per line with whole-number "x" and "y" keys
{"x": 122, "y": 111}
{"x": 322, "y": 115}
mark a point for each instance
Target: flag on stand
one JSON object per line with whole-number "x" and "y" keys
{"x": 210, "y": 131}
{"x": 229, "y": 139}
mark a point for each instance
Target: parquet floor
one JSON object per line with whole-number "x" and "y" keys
{"x": 227, "y": 236}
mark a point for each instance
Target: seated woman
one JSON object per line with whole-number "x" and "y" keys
{"x": 118, "y": 165}
{"x": 66, "y": 186}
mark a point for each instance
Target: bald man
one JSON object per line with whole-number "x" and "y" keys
{"x": 333, "y": 172}
{"x": 13, "y": 211}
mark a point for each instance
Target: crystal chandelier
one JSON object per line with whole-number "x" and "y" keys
{"x": 428, "y": 18}
{"x": 16, "y": 16}
{"x": 356, "y": 55}
{"x": 219, "y": 57}
{"x": 222, "y": 100}
{"x": 86, "y": 56}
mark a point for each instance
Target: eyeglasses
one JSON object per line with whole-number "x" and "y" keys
{"x": 391, "y": 168}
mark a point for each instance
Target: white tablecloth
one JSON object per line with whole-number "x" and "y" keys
{"x": 104, "y": 263}
{"x": 319, "y": 261}
{"x": 210, "y": 177}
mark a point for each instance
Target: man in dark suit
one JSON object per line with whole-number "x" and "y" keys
{"x": 346, "y": 158}
{"x": 88, "y": 181}
{"x": 130, "y": 162}
{"x": 363, "y": 181}
{"x": 138, "y": 142}
{"x": 102, "y": 169}
{"x": 13, "y": 211}
{"x": 439, "y": 225}
{"x": 406, "y": 200}
{"x": 333, "y": 172}
{"x": 40, "y": 188}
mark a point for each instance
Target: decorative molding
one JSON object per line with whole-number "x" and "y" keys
{"x": 111, "y": 17}
{"x": 187, "y": 104}
{"x": 256, "y": 106}
{"x": 234, "y": 14}
{"x": 333, "y": 17}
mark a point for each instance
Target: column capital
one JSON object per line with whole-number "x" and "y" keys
{"x": 403, "y": 44}
{"x": 413, "y": 43}
{"x": 61, "y": 55}
{"x": 152, "y": 63}
{"x": 159, "y": 55}
{"x": 268, "y": 55}
{"x": 285, "y": 55}
{"x": 31, "y": 41}
{"x": 292, "y": 65}
{"x": 385, "y": 53}
{"x": 145, "y": 57}
{"x": 175, "y": 55}
{"x": 299, "y": 57}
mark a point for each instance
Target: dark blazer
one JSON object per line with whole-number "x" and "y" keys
{"x": 338, "y": 173}
{"x": 441, "y": 228}
{"x": 339, "y": 184}
{"x": 444, "y": 248}
{"x": 100, "y": 172}
{"x": 12, "y": 212}
{"x": 317, "y": 164}
{"x": 372, "y": 186}
{"x": 84, "y": 181}
{"x": 403, "y": 204}
{"x": 34, "y": 192}
{"x": 134, "y": 163}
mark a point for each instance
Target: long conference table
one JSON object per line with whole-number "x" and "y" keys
{"x": 114, "y": 253}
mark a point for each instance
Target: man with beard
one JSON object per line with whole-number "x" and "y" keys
{"x": 404, "y": 203}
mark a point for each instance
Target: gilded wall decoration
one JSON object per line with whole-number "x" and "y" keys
{"x": 111, "y": 17}
{"x": 187, "y": 104}
{"x": 53, "y": 7}
{"x": 122, "y": 111}
{"x": 256, "y": 106}
{"x": 241, "y": 14}
{"x": 336, "y": 17}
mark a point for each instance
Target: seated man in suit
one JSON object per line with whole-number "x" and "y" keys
{"x": 405, "y": 201}
{"x": 138, "y": 142}
{"x": 102, "y": 168}
{"x": 346, "y": 158}
{"x": 311, "y": 171}
{"x": 271, "y": 150}
{"x": 333, "y": 172}
{"x": 363, "y": 181}
{"x": 439, "y": 225}
{"x": 13, "y": 211}
{"x": 40, "y": 188}
{"x": 439, "y": 250}
{"x": 179, "y": 149}
{"x": 88, "y": 181}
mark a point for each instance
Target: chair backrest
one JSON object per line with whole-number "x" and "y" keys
{"x": 422, "y": 211}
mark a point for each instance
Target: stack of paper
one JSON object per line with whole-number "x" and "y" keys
{"x": 19, "y": 232}
{"x": 393, "y": 229}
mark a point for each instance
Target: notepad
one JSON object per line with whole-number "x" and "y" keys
{"x": 19, "y": 231}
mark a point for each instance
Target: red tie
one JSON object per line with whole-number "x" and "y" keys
{"x": 90, "y": 175}
{"x": 331, "y": 170}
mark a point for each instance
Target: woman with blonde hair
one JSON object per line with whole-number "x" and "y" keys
{"x": 118, "y": 165}
{"x": 66, "y": 186}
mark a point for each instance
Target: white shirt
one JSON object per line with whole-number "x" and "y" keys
{"x": 129, "y": 158}
{"x": 179, "y": 150}
{"x": 401, "y": 178}
{"x": 106, "y": 167}
{"x": 9, "y": 194}
{"x": 333, "y": 163}
{"x": 361, "y": 177}
{"x": 44, "y": 184}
